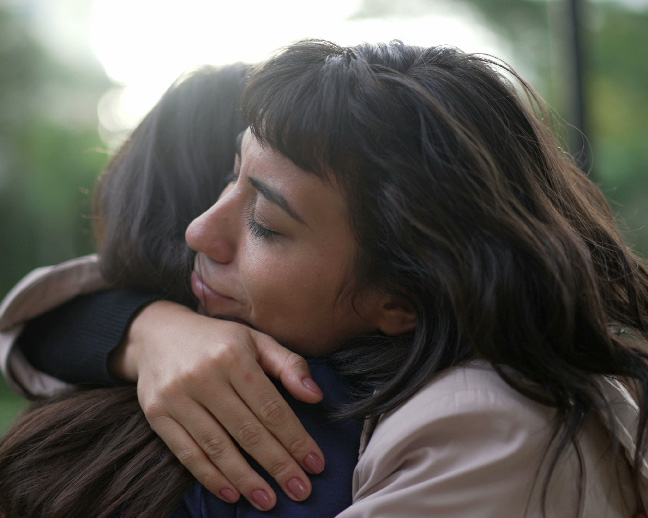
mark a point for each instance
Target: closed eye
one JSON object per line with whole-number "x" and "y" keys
{"x": 260, "y": 231}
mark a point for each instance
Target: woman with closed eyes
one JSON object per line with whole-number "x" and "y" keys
{"x": 403, "y": 211}
{"x": 91, "y": 452}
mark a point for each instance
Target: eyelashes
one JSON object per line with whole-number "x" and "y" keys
{"x": 260, "y": 231}
{"x": 256, "y": 229}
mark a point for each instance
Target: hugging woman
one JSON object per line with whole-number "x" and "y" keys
{"x": 405, "y": 212}
{"x": 91, "y": 452}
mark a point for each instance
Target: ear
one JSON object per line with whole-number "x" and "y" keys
{"x": 396, "y": 316}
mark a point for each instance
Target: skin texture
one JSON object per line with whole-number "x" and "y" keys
{"x": 276, "y": 252}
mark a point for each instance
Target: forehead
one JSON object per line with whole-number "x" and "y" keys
{"x": 298, "y": 153}
{"x": 310, "y": 195}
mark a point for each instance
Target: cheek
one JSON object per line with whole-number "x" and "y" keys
{"x": 291, "y": 287}
{"x": 268, "y": 276}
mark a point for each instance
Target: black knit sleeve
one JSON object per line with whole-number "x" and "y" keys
{"x": 73, "y": 342}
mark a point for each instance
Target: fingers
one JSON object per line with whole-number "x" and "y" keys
{"x": 207, "y": 451}
{"x": 288, "y": 367}
{"x": 258, "y": 418}
{"x": 257, "y": 440}
{"x": 212, "y": 394}
{"x": 277, "y": 419}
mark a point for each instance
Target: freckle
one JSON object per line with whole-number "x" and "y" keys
{"x": 248, "y": 378}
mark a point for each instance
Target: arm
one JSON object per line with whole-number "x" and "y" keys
{"x": 74, "y": 341}
{"x": 180, "y": 381}
{"x": 40, "y": 291}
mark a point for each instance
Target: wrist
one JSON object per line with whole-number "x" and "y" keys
{"x": 142, "y": 333}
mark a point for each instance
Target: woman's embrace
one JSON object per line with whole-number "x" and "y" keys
{"x": 407, "y": 214}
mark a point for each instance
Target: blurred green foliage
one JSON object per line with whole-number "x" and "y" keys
{"x": 618, "y": 100}
{"x": 10, "y": 406}
{"x": 49, "y": 153}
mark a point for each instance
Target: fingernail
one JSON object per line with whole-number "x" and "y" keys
{"x": 310, "y": 384}
{"x": 228, "y": 495}
{"x": 313, "y": 463}
{"x": 297, "y": 488}
{"x": 261, "y": 499}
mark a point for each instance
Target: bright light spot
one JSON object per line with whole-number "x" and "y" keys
{"x": 145, "y": 45}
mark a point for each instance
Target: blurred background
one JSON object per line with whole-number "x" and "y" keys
{"x": 76, "y": 75}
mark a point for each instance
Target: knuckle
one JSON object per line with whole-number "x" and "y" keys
{"x": 154, "y": 410}
{"x": 168, "y": 388}
{"x": 298, "y": 444}
{"x": 278, "y": 468}
{"x": 215, "y": 448}
{"x": 273, "y": 412}
{"x": 155, "y": 403}
{"x": 187, "y": 456}
{"x": 242, "y": 481}
{"x": 249, "y": 435}
{"x": 224, "y": 356}
{"x": 295, "y": 361}
{"x": 212, "y": 480}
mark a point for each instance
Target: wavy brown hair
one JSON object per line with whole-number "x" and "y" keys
{"x": 171, "y": 169}
{"x": 466, "y": 207}
{"x": 88, "y": 453}
{"x": 91, "y": 452}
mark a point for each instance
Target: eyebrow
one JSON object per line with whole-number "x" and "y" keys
{"x": 276, "y": 197}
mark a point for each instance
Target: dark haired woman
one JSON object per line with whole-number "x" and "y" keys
{"x": 477, "y": 272}
{"x": 92, "y": 452}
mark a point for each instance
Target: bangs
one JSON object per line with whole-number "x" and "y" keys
{"x": 339, "y": 111}
{"x": 301, "y": 111}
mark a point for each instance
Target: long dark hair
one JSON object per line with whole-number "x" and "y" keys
{"x": 88, "y": 453}
{"x": 92, "y": 452}
{"x": 168, "y": 172}
{"x": 464, "y": 205}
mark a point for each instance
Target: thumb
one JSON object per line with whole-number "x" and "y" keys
{"x": 288, "y": 367}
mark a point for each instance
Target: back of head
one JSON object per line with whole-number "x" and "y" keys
{"x": 170, "y": 170}
{"x": 464, "y": 205}
{"x": 92, "y": 452}
{"x": 88, "y": 453}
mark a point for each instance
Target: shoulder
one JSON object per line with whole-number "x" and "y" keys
{"x": 38, "y": 292}
{"x": 466, "y": 444}
{"x": 469, "y": 445}
{"x": 474, "y": 395}
{"x": 47, "y": 287}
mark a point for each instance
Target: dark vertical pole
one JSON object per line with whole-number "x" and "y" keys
{"x": 578, "y": 99}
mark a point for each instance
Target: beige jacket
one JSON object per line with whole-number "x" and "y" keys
{"x": 467, "y": 445}
{"x": 41, "y": 290}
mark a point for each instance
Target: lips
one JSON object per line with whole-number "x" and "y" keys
{"x": 205, "y": 294}
{"x": 214, "y": 304}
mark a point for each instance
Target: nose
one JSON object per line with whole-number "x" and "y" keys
{"x": 214, "y": 232}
